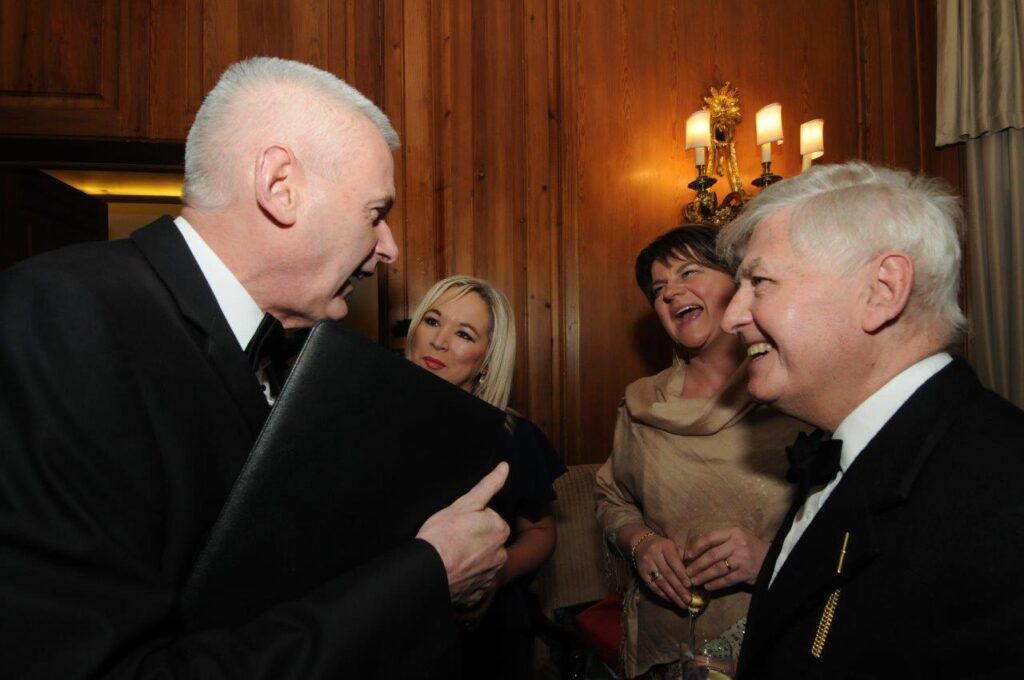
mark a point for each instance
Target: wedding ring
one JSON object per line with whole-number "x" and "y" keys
{"x": 728, "y": 567}
{"x": 654, "y": 575}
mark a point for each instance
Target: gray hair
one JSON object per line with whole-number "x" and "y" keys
{"x": 289, "y": 93}
{"x": 500, "y": 360}
{"x": 853, "y": 212}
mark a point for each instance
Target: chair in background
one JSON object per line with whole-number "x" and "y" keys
{"x": 579, "y": 573}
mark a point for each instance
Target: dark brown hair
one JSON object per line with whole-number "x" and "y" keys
{"x": 693, "y": 241}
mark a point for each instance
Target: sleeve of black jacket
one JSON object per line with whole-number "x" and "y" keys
{"x": 87, "y": 524}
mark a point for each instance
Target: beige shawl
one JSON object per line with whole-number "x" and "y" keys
{"x": 690, "y": 463}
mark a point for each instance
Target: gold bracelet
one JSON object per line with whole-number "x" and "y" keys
{"x": 637, "y": 544}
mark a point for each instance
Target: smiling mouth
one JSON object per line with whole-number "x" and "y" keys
{"x": 758, "y": 349}
{"x": 686, "y": 311}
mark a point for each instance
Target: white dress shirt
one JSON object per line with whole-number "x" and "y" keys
{"x": 240, "y": 310}
{"x": 856, "y": 431}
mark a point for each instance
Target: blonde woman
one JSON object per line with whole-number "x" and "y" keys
{"x": 463, "y": 331}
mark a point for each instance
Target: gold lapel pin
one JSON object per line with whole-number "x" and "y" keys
{"x": 825, "y": 624}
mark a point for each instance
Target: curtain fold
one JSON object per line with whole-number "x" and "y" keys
{"x": 980, "y": 68}
{"x": 980, "y": 100}
{"x": 995, "y": 245}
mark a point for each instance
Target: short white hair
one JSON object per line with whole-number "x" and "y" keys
{"x": 499, "y": 362}
{"x": 845, "y": 215}
{"x": 275, "y": 96}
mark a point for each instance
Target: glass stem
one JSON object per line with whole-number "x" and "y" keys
{"x": 693, "y": 634}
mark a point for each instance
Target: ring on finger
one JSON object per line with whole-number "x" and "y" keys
{"x": 654, "y": 575}
{"x": 728, "y": 567}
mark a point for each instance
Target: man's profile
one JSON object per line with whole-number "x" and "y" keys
{"x": 903, "y": 556}
{"x": 128, "y": 406}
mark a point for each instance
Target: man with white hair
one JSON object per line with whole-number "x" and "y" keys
{"x": 128, "y": 406}
{"x": 902, "y": 552}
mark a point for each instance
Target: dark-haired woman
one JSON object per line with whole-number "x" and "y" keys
{"x": 691, "y": 451}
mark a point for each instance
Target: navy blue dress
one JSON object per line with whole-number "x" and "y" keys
{"x": 501, "y": 647}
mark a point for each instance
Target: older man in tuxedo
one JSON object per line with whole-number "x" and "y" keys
{"x": 902, "y": 553}
{"x": 127, "y": 407}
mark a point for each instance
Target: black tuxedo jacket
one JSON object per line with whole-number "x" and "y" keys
{"x": 126, "y": 410}
{"x": 931, "y": 581}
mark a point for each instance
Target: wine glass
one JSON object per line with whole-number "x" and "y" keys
{"x": 698, "y": 594}
{"x": 708, "y": 660}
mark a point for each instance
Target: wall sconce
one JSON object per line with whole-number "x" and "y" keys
{"x": 714, "y": 127}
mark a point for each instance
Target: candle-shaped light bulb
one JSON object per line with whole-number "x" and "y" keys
{"x": 812, "y": 140}
{"x": 698, "y": 133}
{"x": 769, "y": 129}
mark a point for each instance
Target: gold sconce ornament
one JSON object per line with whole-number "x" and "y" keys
{"x": 722, "y": 113}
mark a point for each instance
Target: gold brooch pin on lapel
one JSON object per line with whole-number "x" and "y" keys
{"x": 830, "y": 608}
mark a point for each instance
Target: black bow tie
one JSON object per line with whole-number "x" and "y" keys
{"x": 267, "y": 343}
{"x": 271, "y": 348}
{"x": 813, "y": 461}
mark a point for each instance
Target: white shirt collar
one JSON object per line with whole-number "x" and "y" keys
{"x": 864, "y": 422}
{"x": 241, "y": 311}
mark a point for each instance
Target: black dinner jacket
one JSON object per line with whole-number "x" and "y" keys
{"x": 930, "y": 584}
{"x": 126, "y": 411}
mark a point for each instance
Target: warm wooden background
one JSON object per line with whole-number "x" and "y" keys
{"x": 542, "y": 139}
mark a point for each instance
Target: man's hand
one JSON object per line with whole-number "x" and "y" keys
{"x": 470, "y": 537}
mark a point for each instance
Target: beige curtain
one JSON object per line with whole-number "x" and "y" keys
{"x": 980, "y": 102}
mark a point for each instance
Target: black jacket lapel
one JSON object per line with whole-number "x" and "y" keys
{"x": 163, "y": 246}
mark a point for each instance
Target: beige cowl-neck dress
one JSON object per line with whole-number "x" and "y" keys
{"x": 681, "y": 463}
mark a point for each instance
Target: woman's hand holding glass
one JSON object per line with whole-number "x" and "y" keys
{"x": 660, "y": 566}
{"x": 724, "y": 557}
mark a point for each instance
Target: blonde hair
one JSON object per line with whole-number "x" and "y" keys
{"x": 494, "y": 382}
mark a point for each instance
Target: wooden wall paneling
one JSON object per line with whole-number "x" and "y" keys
{"x": 73, "y": 68}
{"x": 499, "y": 147}
{"x": 542, "y": 332}
{"x": 394, "y": 293}
{"x": 64, "y": 33}
{"x": 422, "y": 237}
{"x": 293, "y": 30}
{"x": 571, "y": 86}
{"x": 357, "y": 45}
{"x": 195, "y": 40}
{"x": 458, "y": 174}
{"x": 872, "y": 82}
{"x": 893, "y": 108}
{"x": 176, "y": 46}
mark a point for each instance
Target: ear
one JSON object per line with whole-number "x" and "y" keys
{"x": 276, "y": 179}
{"x": 891, "y": 278}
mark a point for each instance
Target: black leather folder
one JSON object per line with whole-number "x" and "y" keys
{"x": 360, "y": 448}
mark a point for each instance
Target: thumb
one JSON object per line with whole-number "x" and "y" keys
{"x": 480, "y": 495}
